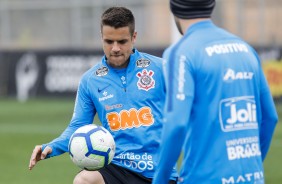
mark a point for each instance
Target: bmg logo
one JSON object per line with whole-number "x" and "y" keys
{"x": 238, "y": 113}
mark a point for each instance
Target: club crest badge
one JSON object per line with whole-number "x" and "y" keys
{"x": 146, "y": 81}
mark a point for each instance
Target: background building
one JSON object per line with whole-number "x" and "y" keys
{"x": 41, "y": 24}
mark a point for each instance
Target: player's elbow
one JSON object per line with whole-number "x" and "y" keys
{"x": 273, "y": 119}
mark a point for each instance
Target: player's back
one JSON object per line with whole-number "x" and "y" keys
{"x": 223, "y": 138}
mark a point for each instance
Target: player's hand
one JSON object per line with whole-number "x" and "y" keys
{"x": 38, "y": 155}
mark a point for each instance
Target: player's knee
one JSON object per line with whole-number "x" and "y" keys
{"x": 79, "y": 179}
{"x": 88, "y": 177}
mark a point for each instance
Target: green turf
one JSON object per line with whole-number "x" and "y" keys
{"x": 23, "y": 125}
{"x": 272, "y": 163}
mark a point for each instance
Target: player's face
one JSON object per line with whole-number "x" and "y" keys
{"x": 117, "y": 45}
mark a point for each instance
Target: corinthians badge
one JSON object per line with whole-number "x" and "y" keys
{"x": 146, "y": 81}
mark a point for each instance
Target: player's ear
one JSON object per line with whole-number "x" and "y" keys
{"x": 134, "y": 36}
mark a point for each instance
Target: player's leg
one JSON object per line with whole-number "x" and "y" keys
{"x": 88, "y": 177}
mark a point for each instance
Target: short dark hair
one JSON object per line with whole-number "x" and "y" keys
{"x": 118, "y": 17}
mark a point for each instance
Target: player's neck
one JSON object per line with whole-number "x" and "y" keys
{"x": 187, "y": 23}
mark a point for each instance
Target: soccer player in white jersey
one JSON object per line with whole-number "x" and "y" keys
{"x": 219, "y": 109}
{"x": 126, "y": 90}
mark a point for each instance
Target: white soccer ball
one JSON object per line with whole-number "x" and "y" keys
{"x": 92, "y": 147}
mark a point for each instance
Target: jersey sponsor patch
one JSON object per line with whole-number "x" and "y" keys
{"x": 231, "y": 75}
{"x": 243, "y": 148}
{"x": 255, "y": 177}
{"x": 146, "y": 81}
{"x": 128, "y": 119}
{"x": 226, "y": 48}
{"x": 111, "y": 107}
{"x": 181, "y": 78}
{"x": 238, "y": 113}
{"x": 140, "y": 161}
{"x": 143, "y": 63}
{"x": 106, "y": 96}
{"x": 102, "y": 71}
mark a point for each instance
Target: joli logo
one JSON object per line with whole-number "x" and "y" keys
{"x": 242, "y": 115}
{"x": 238, "y": 113}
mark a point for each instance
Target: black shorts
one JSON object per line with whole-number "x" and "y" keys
{"x": 114, "y": 174}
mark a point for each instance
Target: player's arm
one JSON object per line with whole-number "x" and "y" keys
{"x": 176, "y": 115}
{"x": 84, "y": 112}
{"x": 269, "y": 116}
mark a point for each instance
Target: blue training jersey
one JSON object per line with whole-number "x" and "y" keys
{"x": 129, "y": 103}
{"x": 218, "y": 109}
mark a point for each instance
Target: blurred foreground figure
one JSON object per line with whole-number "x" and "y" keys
{"x": 219, "y": 108}
{"x": 126, "y": 90}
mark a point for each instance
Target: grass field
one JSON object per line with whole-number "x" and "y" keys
{"x": 23, "y": 125}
